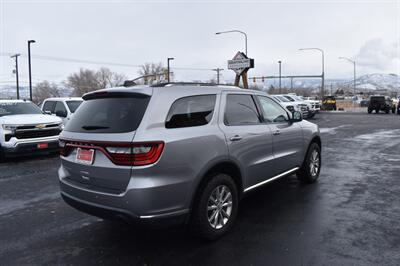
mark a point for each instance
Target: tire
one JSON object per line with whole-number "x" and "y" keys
{"x": 215, "y": 228}
{"x": 377, "y": 111}
{"x": 369, "y": 111}
{"x": 309, "y": 173}
{"x": 387, "y": 111}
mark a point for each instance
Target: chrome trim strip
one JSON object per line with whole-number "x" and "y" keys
{"x": 272, "y": 179}
{"x": 35, "y": 140}
{"x": 164, "y": 214}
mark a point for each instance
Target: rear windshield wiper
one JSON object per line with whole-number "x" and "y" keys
{"x": 94, "y": 127}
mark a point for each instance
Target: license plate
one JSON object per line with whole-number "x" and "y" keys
{"x": 42, "y": 145}
{"x": 84, "y": 156}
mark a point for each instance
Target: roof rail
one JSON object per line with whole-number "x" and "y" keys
{"x": 183, "y": 84}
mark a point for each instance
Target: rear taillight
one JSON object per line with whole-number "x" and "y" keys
{"x": 137, "y": 154}
{"x": 61, "y": 145}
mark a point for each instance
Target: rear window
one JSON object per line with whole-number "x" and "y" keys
{"x": 109, "y": 115}
{"x": 191, "y": 111}
{"x": 377, "y": 98}
{"x": 73, "y": 105}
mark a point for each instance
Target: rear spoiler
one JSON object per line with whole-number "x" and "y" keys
{"x": 143, "y": 92}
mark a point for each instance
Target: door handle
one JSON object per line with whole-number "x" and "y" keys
{"x": 277, "y": 132}
{"x": 235, "y": 138}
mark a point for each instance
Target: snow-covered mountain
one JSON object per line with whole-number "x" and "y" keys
{"x": 368, "y": 82}
{"x": 389, "y": 82}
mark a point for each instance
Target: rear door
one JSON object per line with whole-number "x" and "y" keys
{"x": 98, "y": 140}
{"x": 48, "y": 106}
{"x": 287, "y": 136}
{"x": 249, "y": 140}
{"x": 61, "y": 111}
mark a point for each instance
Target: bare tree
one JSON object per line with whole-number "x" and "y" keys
{"x": 107, "y": 78}
{"x": 153, "y": 72}
{"x": 44, "y": 90}
{"x": 87, "y": 80}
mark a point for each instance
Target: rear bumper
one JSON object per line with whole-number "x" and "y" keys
{"x": 110, "y": 213}
{"x": 153, "y": 202}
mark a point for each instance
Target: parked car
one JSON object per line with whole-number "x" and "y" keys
{"x": 294, "y": 98}
{"x": 286, "y": 103}
{"x": 177, "y": 150}
{"x": 302, "y": 106}
{"x": 364, "y": 103}
{"x": 62, "y": 107}
{"x": 329, "y": 103}
{"x": 25, "y": 129}
{"x": 315, "y": 104}
{"x": 381, "y": 103}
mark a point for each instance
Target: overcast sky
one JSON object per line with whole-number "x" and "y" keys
{"x": 135, "y": 32}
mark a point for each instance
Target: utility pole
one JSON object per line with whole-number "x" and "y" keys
{"x": 354, "y": 72}
{"x": 323, "y": 69}
{"x": 280, "y": 76}
{"x": 168, "y": 59}
{"x": 218, "y": 70}
{"x": 16, "y": 72}
{"x": 29, "y": 65}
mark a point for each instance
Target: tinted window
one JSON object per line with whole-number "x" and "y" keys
{"x": 73, "y": 105}
{"x": 109, "y": 115}
{"x": 49, "y": 106}
{"x": 289, "y": 98}
{"x": 18, "y": 108}
{"x": 60, "y": 107}
{"x": 272, "y": 111}
{"x": 240, "y": 110}
{"x": 191, "y": 111}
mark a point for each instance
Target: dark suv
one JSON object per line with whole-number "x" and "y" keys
{"x": 381, "y": 103}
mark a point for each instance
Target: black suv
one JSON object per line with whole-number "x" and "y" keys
{"x": 381, "y": 103}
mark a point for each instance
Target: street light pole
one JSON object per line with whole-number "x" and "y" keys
{"x": 238, "y": 31}
{"x": 29, "y": 66}
{"x": 354, "y": 72}
{"x": 168, "y": 59}
{"x": 16, "y": 72}
{"x": 323, "y": 68}
{"x": 280, "y": 76}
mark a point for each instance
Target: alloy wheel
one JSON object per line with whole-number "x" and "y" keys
{"x": 219, "y": 207}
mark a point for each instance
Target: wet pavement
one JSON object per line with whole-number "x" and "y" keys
{"x": 351, "y": 216}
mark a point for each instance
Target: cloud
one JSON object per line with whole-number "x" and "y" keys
{"x": 376, "y": 54}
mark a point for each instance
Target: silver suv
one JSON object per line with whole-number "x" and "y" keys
{"x": 181, "y": 151}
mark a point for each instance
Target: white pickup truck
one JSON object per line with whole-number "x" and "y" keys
{"x": 25, "y": 129}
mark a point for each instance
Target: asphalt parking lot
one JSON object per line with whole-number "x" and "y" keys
{"x": 350, "y": 217}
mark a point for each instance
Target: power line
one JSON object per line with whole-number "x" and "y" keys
{"x": 74, "y": 60}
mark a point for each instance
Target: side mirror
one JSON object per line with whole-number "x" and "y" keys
{"x": 296, "y": 117}
{"x": 47, "y": 112}
{"x": 61, "y": 113}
